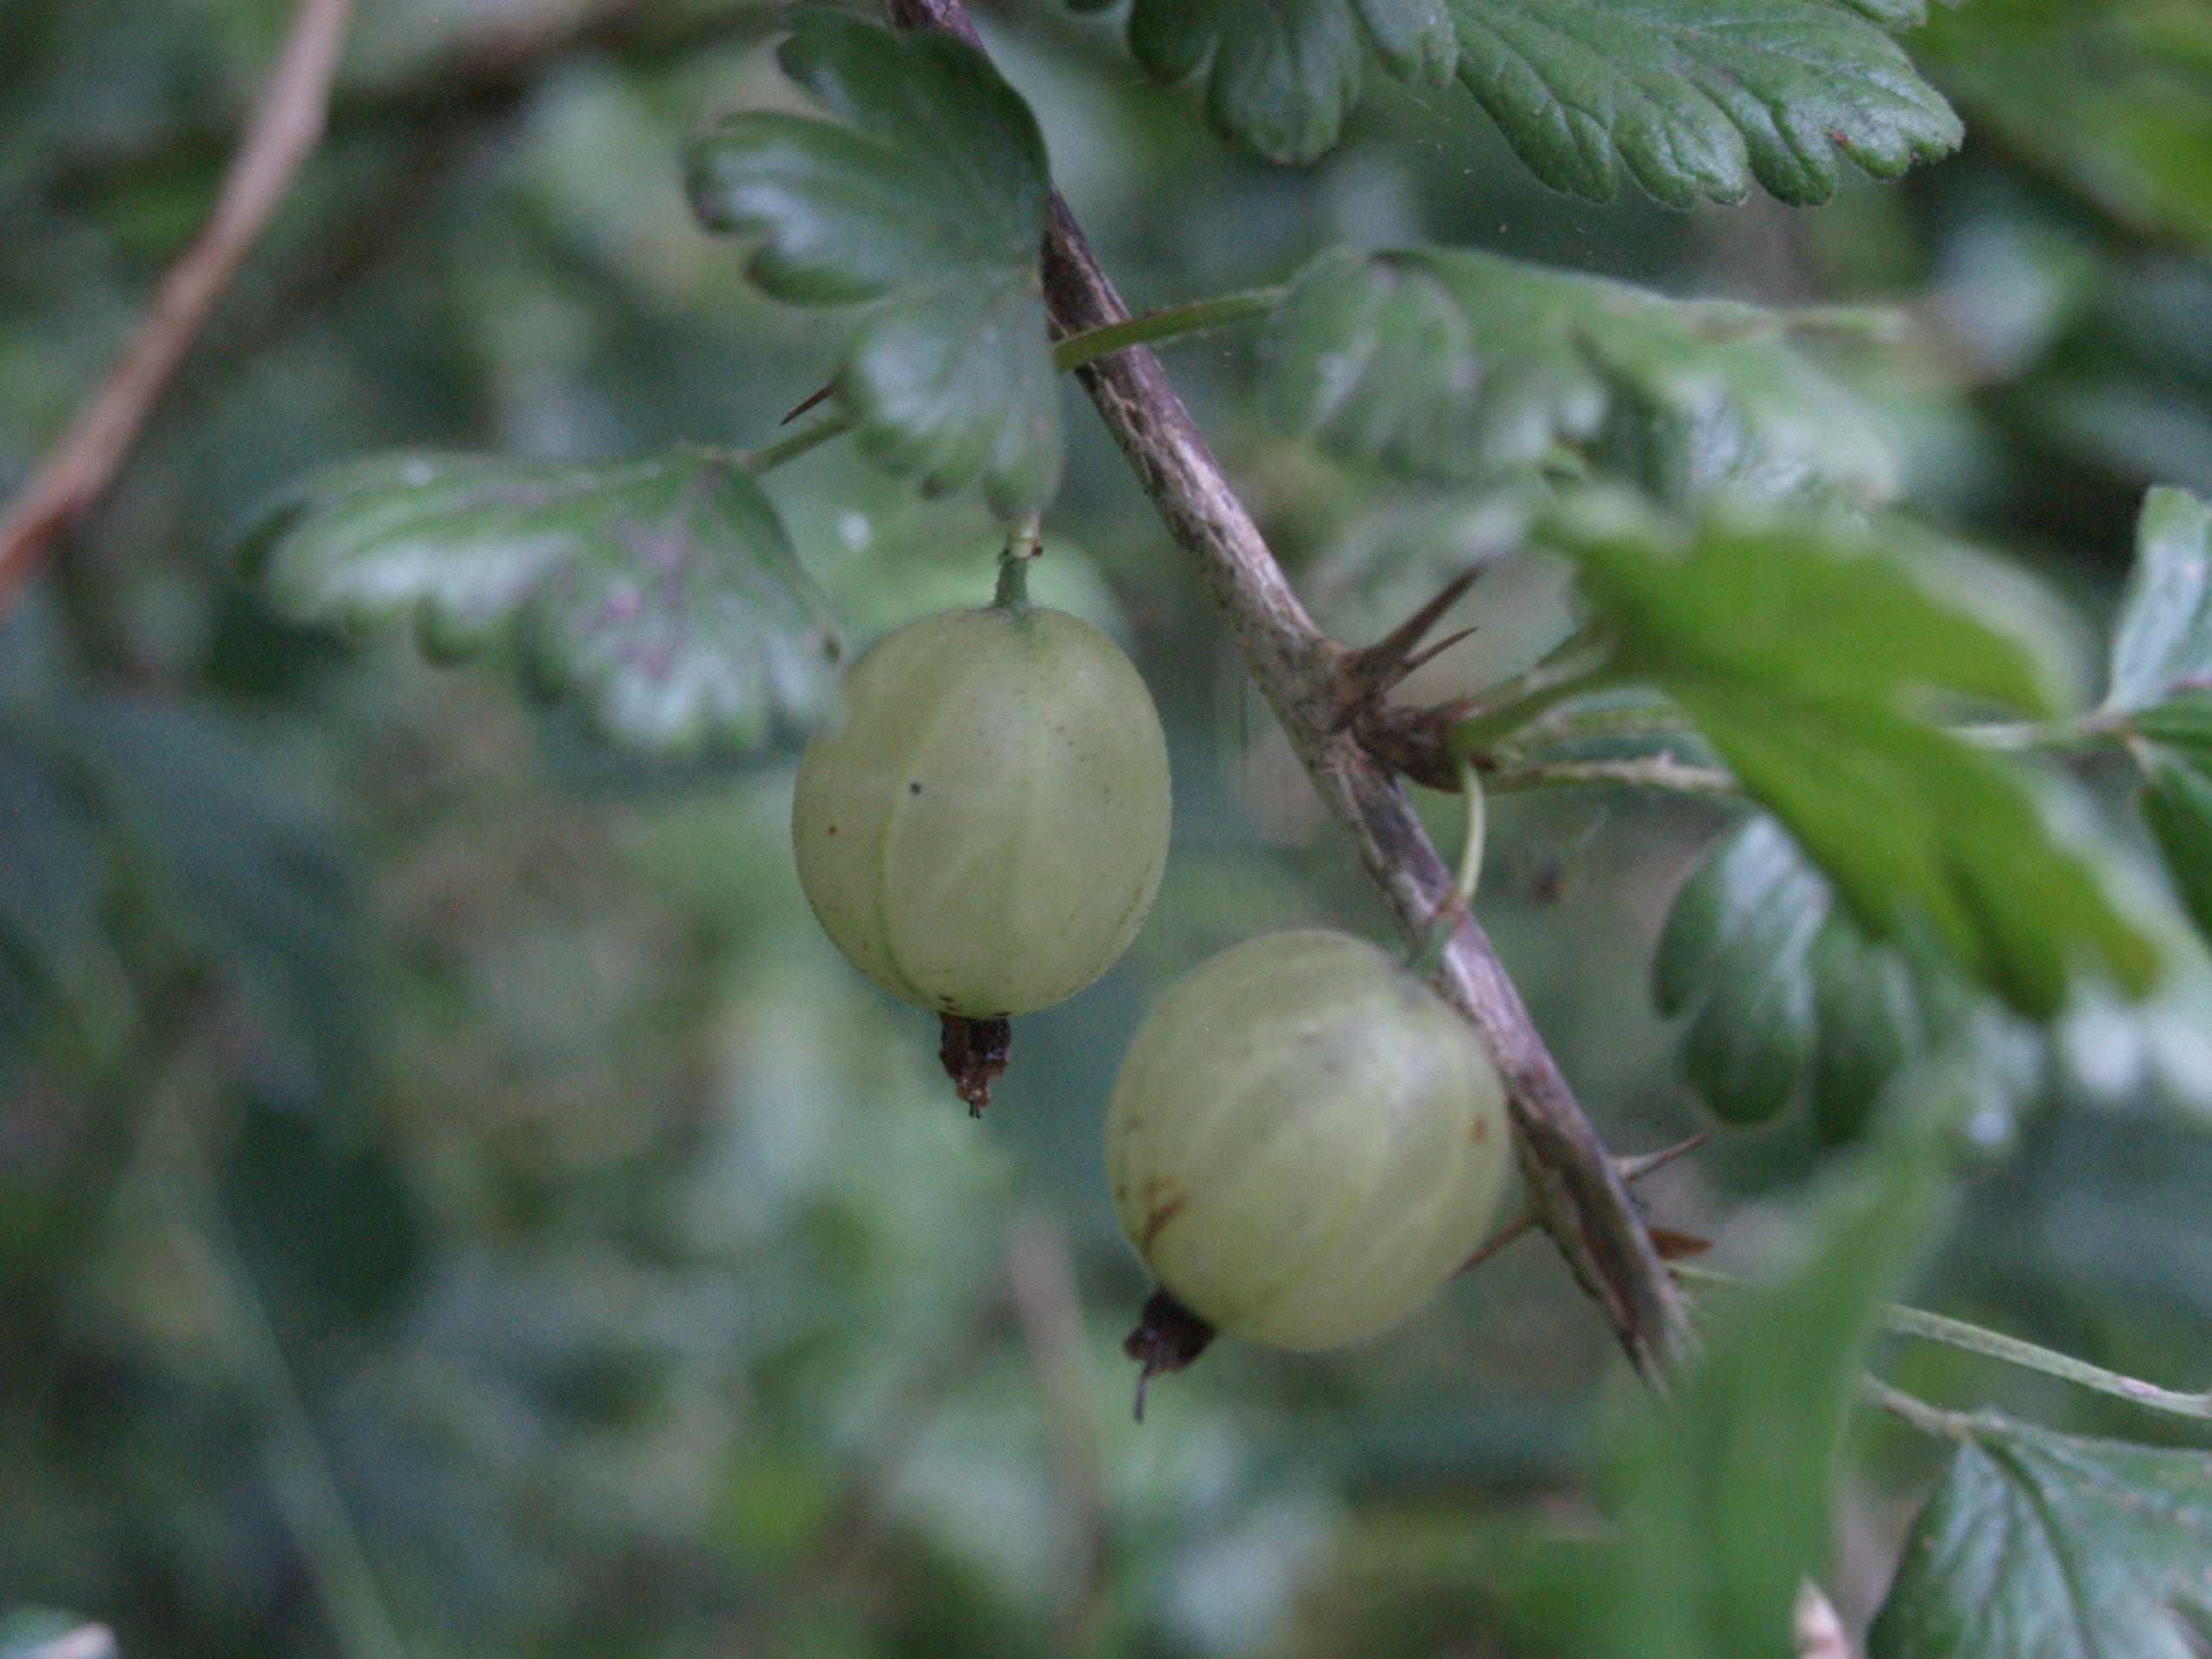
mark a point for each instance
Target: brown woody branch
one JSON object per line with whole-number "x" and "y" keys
{"x": 1572, "y": 1183}
{"x": 285, "y": 129}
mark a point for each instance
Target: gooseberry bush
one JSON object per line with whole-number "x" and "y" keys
{"x": 1942, "y": 890}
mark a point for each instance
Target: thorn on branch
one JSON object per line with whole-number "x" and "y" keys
{"x": 1631, "y": 1170}
{"x": 1369, "y": 675}
{"x": 811, "y": 400}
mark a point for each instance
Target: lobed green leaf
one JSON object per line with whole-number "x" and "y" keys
{"x": 1698, "y": 98}
{"x": 1693, "y": 98}
{"x": 662, "y": 594}
{"x": 928, "y": 207}
{"x": 1283, "y": 74}
{"x": 1806, "y": 653}
{"x": 2041, "y": 1545}
{"x": 1459, "y": 365}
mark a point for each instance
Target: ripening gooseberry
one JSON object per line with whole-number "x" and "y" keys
{"x": 1305, "y": 1142}
{"x": 983, "y": 830}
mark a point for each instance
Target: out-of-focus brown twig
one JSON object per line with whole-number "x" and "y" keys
{"x": 1049, "y": 1307}
{"x": 286, "y": 127}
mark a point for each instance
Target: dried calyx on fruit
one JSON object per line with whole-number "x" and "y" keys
{"x": 983, "y": 829}
{"x": 1305, "y": 1142}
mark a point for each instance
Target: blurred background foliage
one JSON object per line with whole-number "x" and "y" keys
{"x": 452, "y": 1200}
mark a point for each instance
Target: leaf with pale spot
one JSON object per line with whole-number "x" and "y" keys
{"x": 662, "y": 595}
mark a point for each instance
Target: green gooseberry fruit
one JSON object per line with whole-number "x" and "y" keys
{"x": 983, "y": 829}
{"x": 1305, "y": 1142}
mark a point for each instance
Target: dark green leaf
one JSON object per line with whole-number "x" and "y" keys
{"x": 1459, "y": 365}
{"x": 51, "y": 878}
{"x": 1700, "y": 98}
{"x": 2040, "y": 1546}
{"x": 1696, "y": 99}
{"x": 2177, "y": 805}
{"x": 2183, "y": 721}
{"x": 253, "y": 874}
{"x": 1285, "y": 73}
{"x": 2134, "y": 78}
{"x": 323, "y": 1223}
{"x": 1720, "y": 1499}
{"x": 1786, "y": 992}
{"x": 1755, "y": 904}
{"x": 929, "y": 207}
{"x": 662, "y": 593}
{"x": 1799, "y": 648}
{"x": 2162, "y": 642}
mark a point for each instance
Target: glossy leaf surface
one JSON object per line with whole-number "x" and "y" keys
{"x": 1785, "y": 993}
{"x": 927, "y": 205}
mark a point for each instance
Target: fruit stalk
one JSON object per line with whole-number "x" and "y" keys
{"x": 1573, "y": 1182}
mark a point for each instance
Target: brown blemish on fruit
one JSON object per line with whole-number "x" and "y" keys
{"x": 1158, "y": 1214}
{"x": 1481, "y": 1130}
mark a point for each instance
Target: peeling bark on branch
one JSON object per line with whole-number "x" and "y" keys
{"x": 1574, "y": 1184}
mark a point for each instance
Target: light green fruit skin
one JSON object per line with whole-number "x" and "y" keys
{"x": 1024, "y": 861}
{"x": 1305, "y": 1142}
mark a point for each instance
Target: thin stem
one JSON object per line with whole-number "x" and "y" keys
{"x": 1641, "y": 772}
{"x": 1995, "y": 1344}
{"x": 1429, "y": 954}
{"x": 1021, "y": 546}
{"x": 1917, "y": 1413}
{"x": 1471, "y": 847}
{"x": 2083, "y": 731}
{"x": 1586, "y": 724}
{"x": 769, "y": 457}
{"x": 1919, "y": 1323}
{"x": 1171, "y": 322}
{"x": 299, "y": 1478}
{"x": 1048, "y": 1306}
